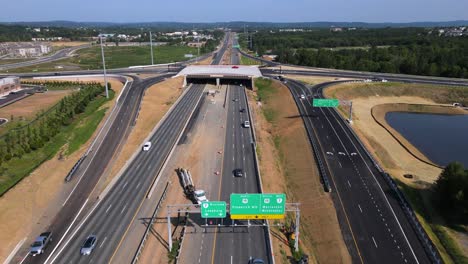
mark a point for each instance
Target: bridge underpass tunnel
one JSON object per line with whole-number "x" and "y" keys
{"x": 245, "y": 82}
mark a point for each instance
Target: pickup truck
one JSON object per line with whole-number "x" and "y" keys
{"x": 40, "y": 243}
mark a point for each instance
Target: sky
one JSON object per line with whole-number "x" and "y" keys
{"x": 234, "y": 10}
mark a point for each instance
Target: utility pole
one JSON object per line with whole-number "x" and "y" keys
{"x": 151, "y": 45}
{"x": 104, "y": 67}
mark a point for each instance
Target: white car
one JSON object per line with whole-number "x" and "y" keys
{"x": 246, "y": 123}
{"x": 200, "y": 196}
{"x": 147, "y": 146}
{"x": 303, "y": 97}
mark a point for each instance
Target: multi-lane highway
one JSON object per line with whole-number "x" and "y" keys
{"x": 241, "y": 243}
{"x": 61, "y": 54}
{"x": 375, "y": 227}
{"x": 110, "y": 219}
{"x": 218, "y": 56}
{"x": 95, "y": 164}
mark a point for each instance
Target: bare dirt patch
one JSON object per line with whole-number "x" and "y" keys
{"x": 287, "y": 165}
{"x": 29, "y": 206}
{"x": 68, "y": 43}
{"x": 206, "y": 61}
{"x": 31, "y": 105}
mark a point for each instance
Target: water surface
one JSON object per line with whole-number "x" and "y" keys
{"x": 441, "y": 138}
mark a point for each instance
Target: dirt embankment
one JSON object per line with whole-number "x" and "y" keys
{"x": 287, "y": 165}
{"x": 30, "y": 205}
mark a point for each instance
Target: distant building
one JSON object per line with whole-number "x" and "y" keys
{"x": 24, "y": 49}
{"x": 196, "y": 44}
{"x": 9, "y": 84}
{"x": 336, "y": 29}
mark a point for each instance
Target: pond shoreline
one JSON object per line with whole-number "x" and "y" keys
{"x": 379, "y": 112}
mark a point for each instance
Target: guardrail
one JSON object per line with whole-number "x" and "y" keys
{"x": 75, "y": 167}
{"x": 427, "y": 243}
{"x": 150, "y": 225}
{"x": 314, "y": 143}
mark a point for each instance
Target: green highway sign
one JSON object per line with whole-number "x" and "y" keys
{"x": 325, "y": 103}
{"x": 257, "y": 206}
{"x": 236, "y": 46}
{"x": 213, "y": 209}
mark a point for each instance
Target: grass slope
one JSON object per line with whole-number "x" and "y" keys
{"x": 73, "y": 136}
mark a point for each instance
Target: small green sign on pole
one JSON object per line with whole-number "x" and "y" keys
{"x": 325, "y": 102}
{"x": 215, "y": 209}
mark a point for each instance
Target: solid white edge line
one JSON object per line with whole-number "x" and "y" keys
{"x": 114, "y": 110}
{"x": 13, "y": 252}
{"x": 63, "y": 236}
{"x": 380, "y": 187}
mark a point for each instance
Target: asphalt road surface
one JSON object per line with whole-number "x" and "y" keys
{"x": 13, "y": 97}
{"x": 110, "y": 219}
{"x": 94, "y": 165}
{"x": 375, "y": 227}
{"x": 239, "y": 244}
{"x": 218, "y": 56}
{"x": 61, "y": 54}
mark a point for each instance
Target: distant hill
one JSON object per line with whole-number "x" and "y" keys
{"x": 236, "y": 24}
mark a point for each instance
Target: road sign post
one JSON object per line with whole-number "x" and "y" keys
{"x": 213, "y": 209}
{"x": 257, "y": 206}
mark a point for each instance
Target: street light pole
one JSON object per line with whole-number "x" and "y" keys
{"x": 151, "y": 45}
{"x": 104, "y": 67}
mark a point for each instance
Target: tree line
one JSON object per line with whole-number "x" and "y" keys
{"x": 34, "y": 135}
{"x": 450, "y": 193}
{"x": 407, "y": 50}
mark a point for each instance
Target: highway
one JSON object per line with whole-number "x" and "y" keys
{"x": 240, "y": 244}
{"x": 218, "y": 56}
{"x": 374, "y": 225}
{"x": 90, "y": 171}
{"x": 112, "y": 216}
{"x": 110, "y": 219}
{"x": 61, "y": 54}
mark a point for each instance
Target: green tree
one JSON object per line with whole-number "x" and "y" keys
{"x": 451, "y": 192}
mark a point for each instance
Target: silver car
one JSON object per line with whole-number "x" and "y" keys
{"x": 89, "y": 245}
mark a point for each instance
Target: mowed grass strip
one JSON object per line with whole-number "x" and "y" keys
{"x": 75, "y": 135}
{"x": 116, "y": 57}
{"x": 248, "y": 61}
{"x": 119, "y": 57}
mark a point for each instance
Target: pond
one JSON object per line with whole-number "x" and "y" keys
{"x": 442, "y": 138}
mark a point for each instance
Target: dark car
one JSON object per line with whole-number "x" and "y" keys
{"x": 242, "y": 110}
{"x": 256, "y": 261}
{"x": 88, "y": 245}
{"x": 238, "y": 173}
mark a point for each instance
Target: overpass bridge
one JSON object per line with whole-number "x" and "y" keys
{"x": 220, "y": 74}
